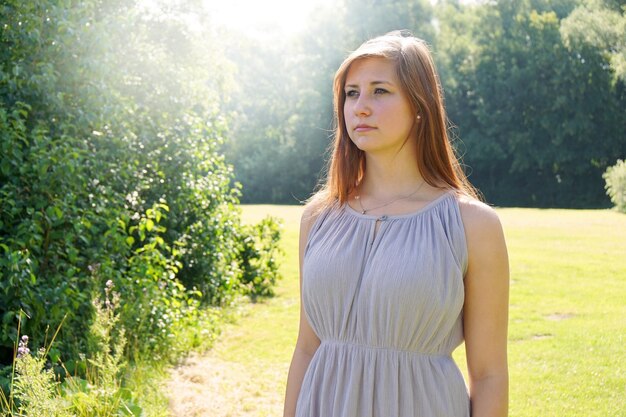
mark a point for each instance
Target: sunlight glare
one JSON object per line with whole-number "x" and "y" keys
{"x": 257, "y": 17}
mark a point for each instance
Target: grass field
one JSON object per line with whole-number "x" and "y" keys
{"x": 567, "y": 318}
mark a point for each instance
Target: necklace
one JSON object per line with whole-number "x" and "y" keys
{"x": 364, "y": 210}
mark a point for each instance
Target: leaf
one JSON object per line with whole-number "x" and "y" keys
{"x": 135, "y": 410}
{"x": 5, "y": 167}
{"x": 55, "y": 355}
{"x": 50, "y": 212}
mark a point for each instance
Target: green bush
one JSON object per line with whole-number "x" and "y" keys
{"x": 258, "y": 254}
{"x": 44, "y": 228}
{"x": 615, "y": 178}
{"x": 110, "y": 130}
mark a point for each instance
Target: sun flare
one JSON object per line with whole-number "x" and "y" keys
{"x": 259, "y": 16}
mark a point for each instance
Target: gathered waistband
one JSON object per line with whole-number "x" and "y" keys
{"x": 342, "y": 343}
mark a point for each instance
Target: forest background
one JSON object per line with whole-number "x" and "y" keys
{"x": 534, "y": 91}
{"x": 131, "y": 130}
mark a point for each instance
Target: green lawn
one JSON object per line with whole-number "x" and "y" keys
{"x": 567, "y": 320}
{"x": 568, "y": 312}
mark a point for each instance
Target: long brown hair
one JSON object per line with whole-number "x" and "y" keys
{"x": 436, "y": 159}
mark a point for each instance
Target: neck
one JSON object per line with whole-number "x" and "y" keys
{"x": 387, "y": 178}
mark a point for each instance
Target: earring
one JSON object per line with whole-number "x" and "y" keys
{"x": 418, "y": 117}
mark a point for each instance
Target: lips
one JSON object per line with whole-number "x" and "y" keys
{"x": 363, "y": 128}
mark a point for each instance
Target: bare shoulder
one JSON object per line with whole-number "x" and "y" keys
{"x": 476, "y": 214}
{"x": 481, "y": 222}
{"x": 488, "y": 265}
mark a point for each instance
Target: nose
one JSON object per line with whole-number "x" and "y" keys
{"x": 361, "y": 106}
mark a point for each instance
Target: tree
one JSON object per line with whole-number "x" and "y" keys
{"x": 530, "y": 110}
{"x": 599, "y": 24}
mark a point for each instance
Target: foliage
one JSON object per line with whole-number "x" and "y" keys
{"x": 110, "y": 130}
{"x": 260, "y": 266}
{"x": 275, "y": 144}
{"x": 100, "y": 393}
{"x": 615, "y": 177}
{"x": 600, "y": 24}
{"x": 36, "y": 388}
{"x": 528, "y": 108}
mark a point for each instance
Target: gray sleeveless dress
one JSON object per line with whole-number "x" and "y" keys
{"x": 387, "y": 305}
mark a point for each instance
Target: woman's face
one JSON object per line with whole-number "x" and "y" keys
{"x": 377, "y": 112}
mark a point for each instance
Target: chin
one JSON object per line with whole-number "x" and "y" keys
{"x": 364, "y": 143}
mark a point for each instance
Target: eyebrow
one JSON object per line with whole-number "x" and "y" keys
{"x": 372, "y": 83}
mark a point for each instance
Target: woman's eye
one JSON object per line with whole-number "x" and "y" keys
{"x": 352, "y": 93}
{"x": 380, "y": 91}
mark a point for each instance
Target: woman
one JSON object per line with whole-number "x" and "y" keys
{"x": 399, "y": 260}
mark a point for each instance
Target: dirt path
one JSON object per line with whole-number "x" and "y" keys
{"x": 214, "y": 387}
{"x": 241, "y": 376}
{"x": 244, "y": 374}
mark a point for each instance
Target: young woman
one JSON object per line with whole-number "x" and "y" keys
{"x": 400, "y": 262}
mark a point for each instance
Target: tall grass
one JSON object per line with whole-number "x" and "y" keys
{"x": 36, "y": 391}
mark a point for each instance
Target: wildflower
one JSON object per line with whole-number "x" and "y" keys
{"x": 22, "y": 347}
{"x": 108, "y": 287}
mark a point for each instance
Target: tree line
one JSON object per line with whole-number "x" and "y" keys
{"x": 535, "y": 93}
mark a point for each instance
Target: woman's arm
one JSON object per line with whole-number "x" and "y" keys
{"x": 307, "y": 342}
{"x": 485, "y": 313}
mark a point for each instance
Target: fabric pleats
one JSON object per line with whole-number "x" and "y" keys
{"x": 386, "y": 301}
